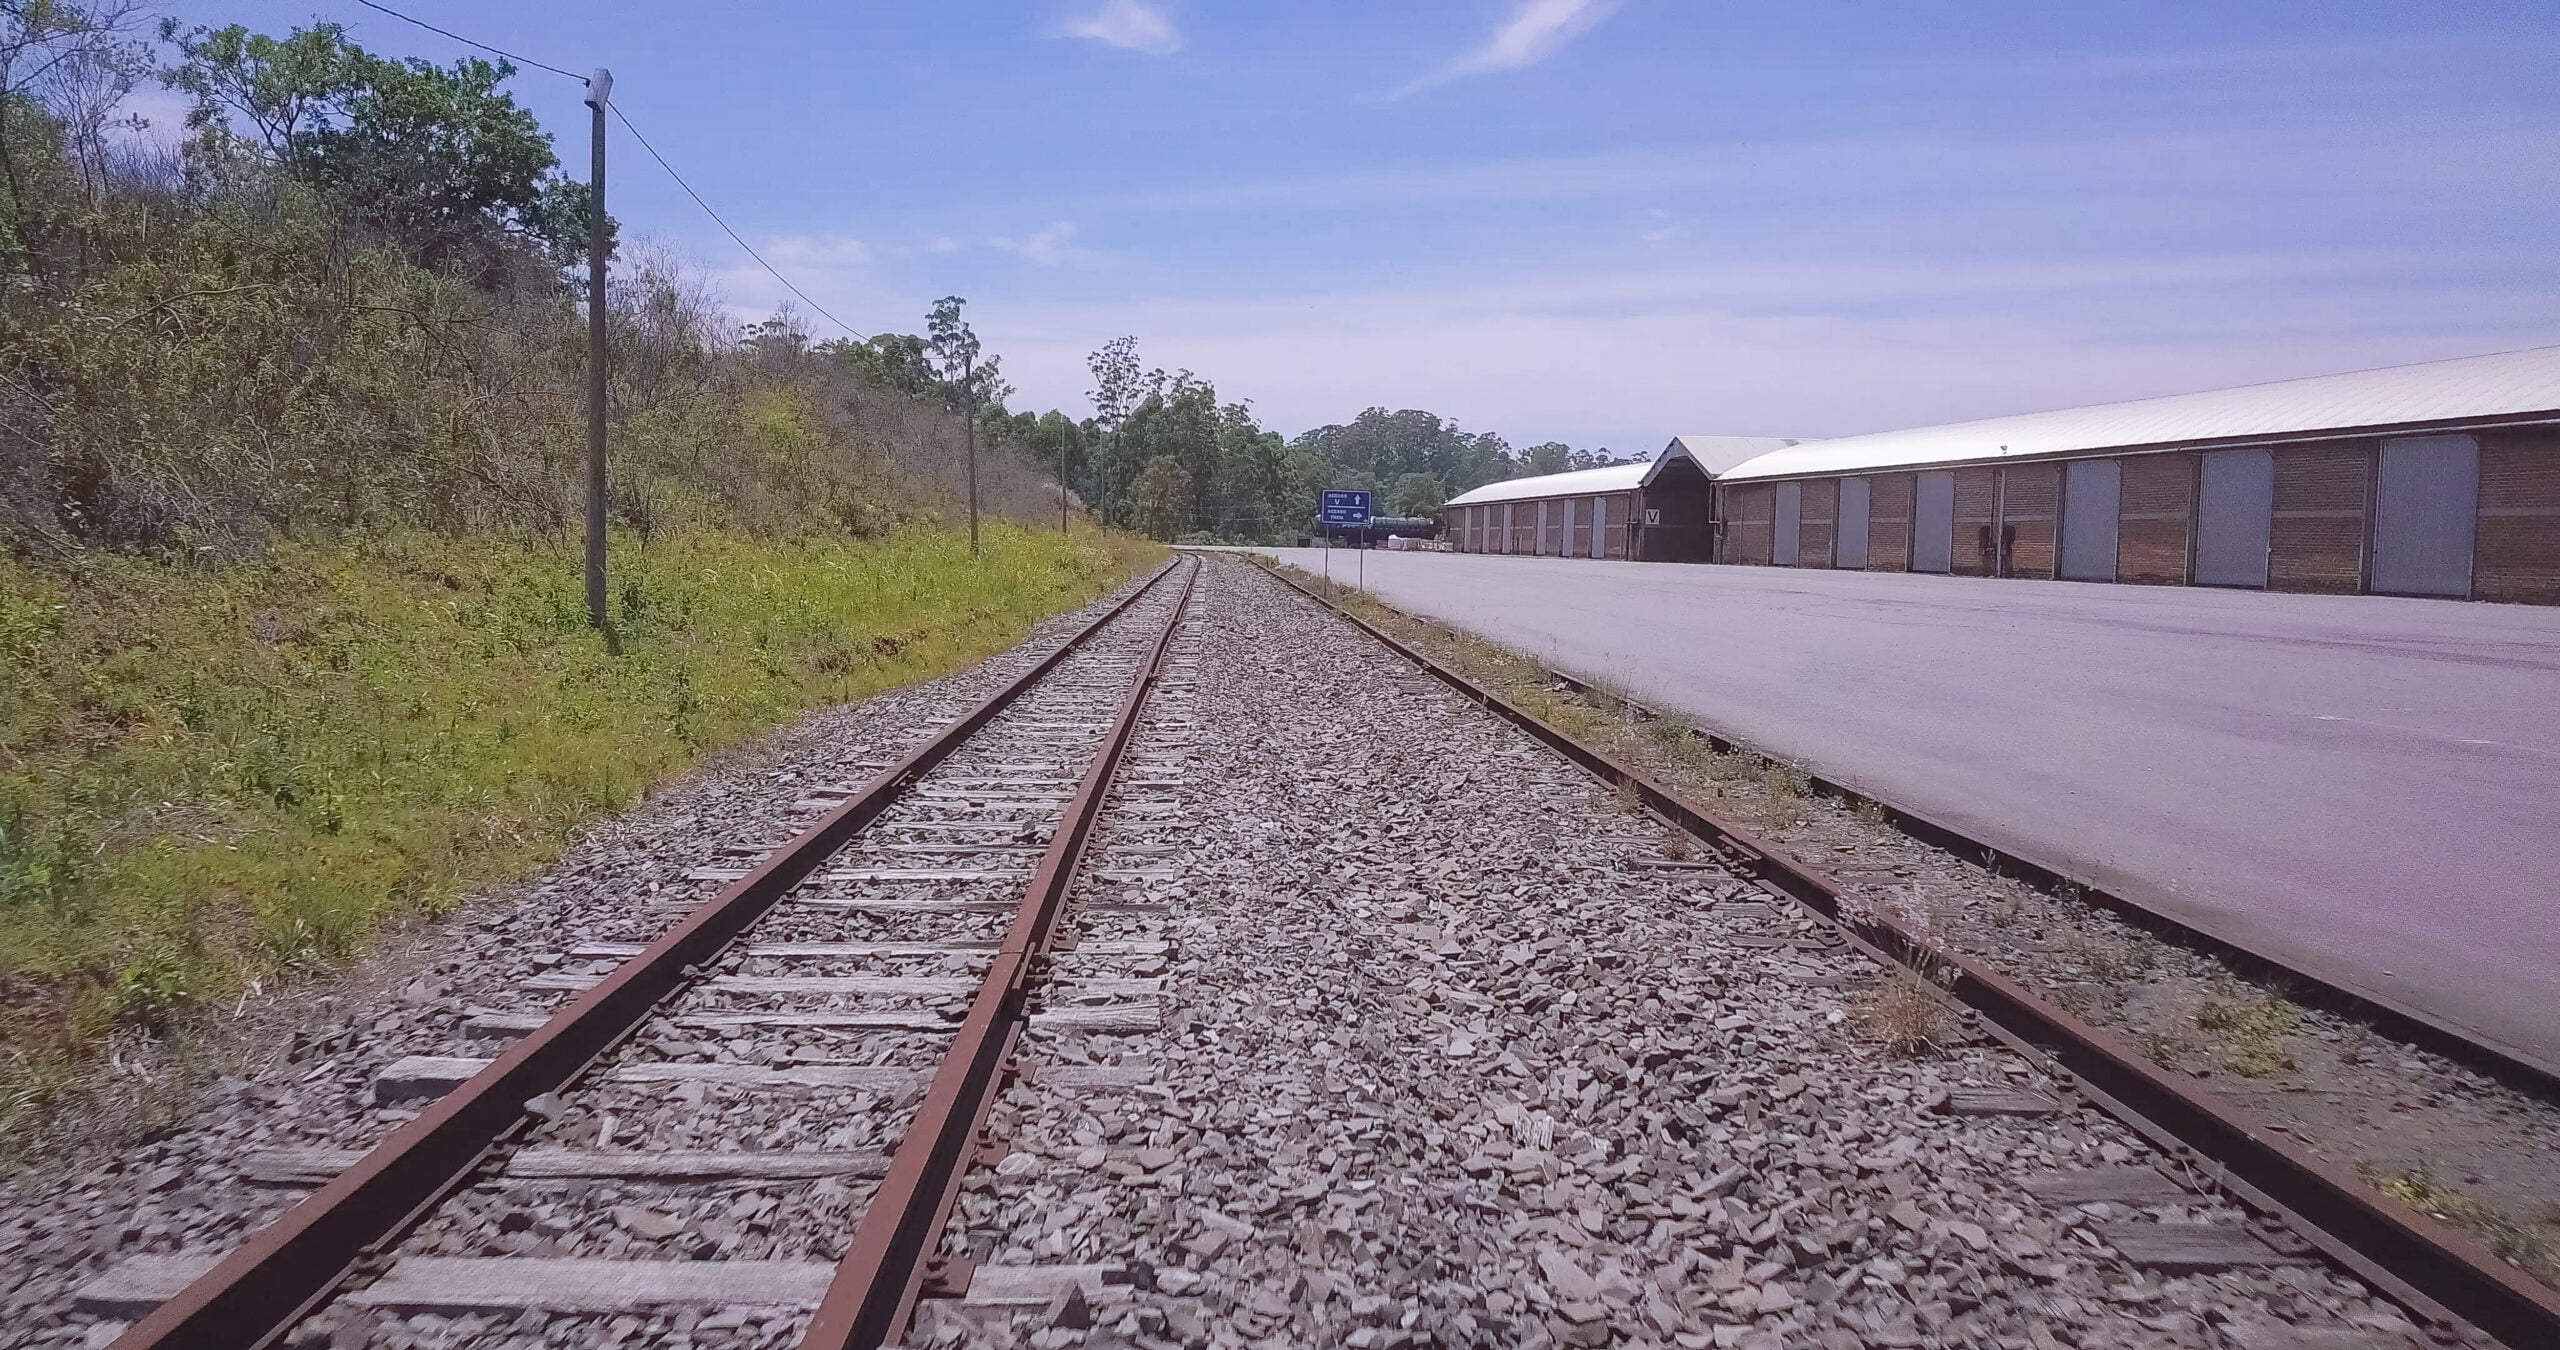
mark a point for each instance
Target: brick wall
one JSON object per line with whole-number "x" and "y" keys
{"x": 1748, "y": 510}
{"x": 2317, "y": 543}
{"x": 1889, "y": 522}
{"x": 1817, "y": 521}
{"x": 2157, "y": 515}
{"x": 1977, "y": 500}
{"x": 2030, "y": 495}
{"x": 2518, "y": 554}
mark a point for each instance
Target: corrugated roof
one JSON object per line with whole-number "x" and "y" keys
{"x": 2504, "y": 384}
{"x": 1716, "y": 454}
{"x": 1712, "y": 454}
{"x": 1580, "y": 482}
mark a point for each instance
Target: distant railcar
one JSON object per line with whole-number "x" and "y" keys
{"x": 1375, "y": 532}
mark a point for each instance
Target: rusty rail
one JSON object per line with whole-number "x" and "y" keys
{"x": 876, "y": 1284}
{"x": 290, "y": 1266}
{"x": 2429, "y": 1268}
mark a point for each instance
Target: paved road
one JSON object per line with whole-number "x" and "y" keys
{"x": 2366, "y": 788}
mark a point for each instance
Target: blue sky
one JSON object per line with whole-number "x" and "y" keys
{"x": 1596, "y": 222}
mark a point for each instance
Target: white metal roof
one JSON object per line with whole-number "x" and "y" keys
{"x": 1712, "y": 454}
{"x": 1717, "y": 454}
{"x": 2503, "y": 384}
{"x": 1580, "y": 482}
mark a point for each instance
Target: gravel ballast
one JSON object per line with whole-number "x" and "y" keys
{"x": 1380, "y": 1025}
{"x": 1453, "y": 1058}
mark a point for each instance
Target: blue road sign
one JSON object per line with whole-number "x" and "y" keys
{"x": 1342, "y": 507}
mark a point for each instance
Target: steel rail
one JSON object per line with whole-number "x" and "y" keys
{"x": 257, "y": 1293}
{"x": 874, "y": 1291}
{"x": 2426, "y": 1266}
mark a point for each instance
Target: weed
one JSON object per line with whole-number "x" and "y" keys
{"x": 1785, "y": 783}
{"x": 1909, "y": 1015}
{"x": 1729, "y": 766}
{"x": 2253, "y": 1033}
{"x": 1676, "y": 845}
{"x": 2113, "y": 956}
{"x": 2514, "y": 1243}
{"x": 1871, "y": 816}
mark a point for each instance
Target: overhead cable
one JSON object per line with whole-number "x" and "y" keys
{"x": 788, "y": 283}
{"x": 858, "y": 335}
{"x": 494, "y": 51}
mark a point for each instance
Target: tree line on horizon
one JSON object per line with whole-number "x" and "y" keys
{"x": 1164, "y": 455}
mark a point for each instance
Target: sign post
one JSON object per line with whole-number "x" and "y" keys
{"x": 1343, "y": 507}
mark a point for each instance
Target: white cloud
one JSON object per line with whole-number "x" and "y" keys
{"x": 811, "y": 251}
{"x": 1129, "y": 25}
{"x": 1535, "y": 31}
{"x": 1047, "y": 247}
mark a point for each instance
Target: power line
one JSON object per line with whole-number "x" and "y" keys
{"x": 858, "y": 335}
{"x": 494, "y": 51}
{"x": 793, "y": 287}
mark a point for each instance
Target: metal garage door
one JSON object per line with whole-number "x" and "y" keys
{"x": 1849, "y": 544}
{"x": 1599, "y": 527}
{"x": 2092, "y": 502}
{"x": 2426, "y": 507}
{"x": 2235, "y": 510}
{"x": 1790, "y": 515}
{"x": 1933, "y": 522}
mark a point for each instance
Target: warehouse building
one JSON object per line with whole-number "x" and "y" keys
{"x": 1657, "y": 511}
{"x": 2439, "y": 479}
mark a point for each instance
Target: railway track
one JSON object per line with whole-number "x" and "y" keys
{"x": 1018, "y": 1043}
{"x": 808, "y": 1053}
{"x": 2441, "y": 1276}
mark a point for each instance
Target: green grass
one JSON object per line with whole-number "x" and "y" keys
{"x": 215, "y": 776}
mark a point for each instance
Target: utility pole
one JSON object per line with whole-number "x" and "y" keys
{"x": 599, "y": 92}
{"x": 969, "y": 400}
{"x": 1062, "y": 478}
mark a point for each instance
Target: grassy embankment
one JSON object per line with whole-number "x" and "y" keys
{"x": 213, "y": 777}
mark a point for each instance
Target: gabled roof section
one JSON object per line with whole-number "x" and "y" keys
{"x": 1711, "y": 454}
{"x": 2505, "y": 384}
{"x": 1718, "y": 454}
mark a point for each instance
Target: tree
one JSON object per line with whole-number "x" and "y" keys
{"x": 1118, "y": 388}
{"x": 1160, "y": 499}
{"x": 970, "y": 382}
{"x": 69, "y": 64}
{"x": 436, "y": 156}
{"x": 1415, "y": 494}
{"x": 1549, "y": 457}
{"x": 899, "y": 361}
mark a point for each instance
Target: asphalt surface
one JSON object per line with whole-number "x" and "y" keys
{"x": 2365, "y": 788}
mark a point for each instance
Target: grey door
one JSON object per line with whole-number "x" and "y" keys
{"x": 2092, "y": 501}
{"x": 2426, "y": 507}
{"x": 1849, "y": 539}
{"x": 2235, "y": 510}
{"x": 1933, "y": 522}
{"x": 1782, "y": 549}
{"x": 1599, "y": 527}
